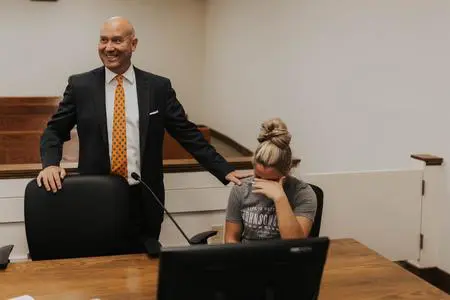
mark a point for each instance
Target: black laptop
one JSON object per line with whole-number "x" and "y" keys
{"x": 263, "y": 270}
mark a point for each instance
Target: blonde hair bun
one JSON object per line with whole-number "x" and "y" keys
{"x": 275, "y": 131}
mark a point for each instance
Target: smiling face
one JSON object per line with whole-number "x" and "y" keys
{"x": 117, "y": 44}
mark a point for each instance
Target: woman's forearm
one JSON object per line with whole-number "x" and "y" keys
{"x": 287, "y": 222}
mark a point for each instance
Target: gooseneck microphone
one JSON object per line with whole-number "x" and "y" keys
{"x": 135, "y": 176}
{"x": 153, "y": 246}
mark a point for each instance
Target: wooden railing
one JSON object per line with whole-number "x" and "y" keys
{"x": 23, "y": 119}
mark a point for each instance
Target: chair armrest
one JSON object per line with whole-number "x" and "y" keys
{"x": 4, "y": 256}
{"x": 202, "y": 237}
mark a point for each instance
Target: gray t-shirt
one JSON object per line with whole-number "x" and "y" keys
{"x": 257, "y": 213}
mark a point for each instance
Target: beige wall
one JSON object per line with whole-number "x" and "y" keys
{"x": 362, "y": 84}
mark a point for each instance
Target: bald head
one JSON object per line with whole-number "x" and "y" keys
{"x": 119, "y": 22}
{"x": 117, "y": 44}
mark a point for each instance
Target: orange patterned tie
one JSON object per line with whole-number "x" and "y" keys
{"x": 119, "y": 132}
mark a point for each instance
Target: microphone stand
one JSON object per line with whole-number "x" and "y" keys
{"x": 153, "y": 246}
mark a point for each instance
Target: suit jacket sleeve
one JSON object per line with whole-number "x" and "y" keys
{"x": 187, "y": 134}
{"x": 58, "y": 129}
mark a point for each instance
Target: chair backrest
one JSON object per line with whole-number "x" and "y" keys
{"x": 89, "y": 216}
{"x": 315, "y": 229}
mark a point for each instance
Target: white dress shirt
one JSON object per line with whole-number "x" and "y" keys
{"x": 132, "y": 117}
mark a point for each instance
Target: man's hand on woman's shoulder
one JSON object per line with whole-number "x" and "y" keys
{"x": 236, "y": 175}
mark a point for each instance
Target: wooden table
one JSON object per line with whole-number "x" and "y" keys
{"x": 352, "y": 271}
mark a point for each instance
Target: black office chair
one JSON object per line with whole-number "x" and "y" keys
{"x": 87, "y": 217}
{"x": 315, "y": 229}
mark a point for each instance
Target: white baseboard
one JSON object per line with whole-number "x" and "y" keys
{"x": 19, "y": 258}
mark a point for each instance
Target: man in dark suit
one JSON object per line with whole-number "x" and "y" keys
{"x": 121, "y": 113}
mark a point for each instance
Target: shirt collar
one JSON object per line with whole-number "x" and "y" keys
{"x": 128, "y": 75}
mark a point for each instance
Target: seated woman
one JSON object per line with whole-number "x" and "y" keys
{"x": 272, "y": 204}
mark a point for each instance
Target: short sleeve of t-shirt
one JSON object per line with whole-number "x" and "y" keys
{"x": 233, "y": 212}
{"x": 304, "y": 200}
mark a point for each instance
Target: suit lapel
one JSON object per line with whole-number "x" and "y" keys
{"x": 145, "y": 101}
{"x": 100, "y": 105}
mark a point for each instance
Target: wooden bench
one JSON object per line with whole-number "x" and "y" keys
{"x": 26, "y": 113}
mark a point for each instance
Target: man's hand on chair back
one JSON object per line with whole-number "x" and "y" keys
{"x": 51, "y": 177}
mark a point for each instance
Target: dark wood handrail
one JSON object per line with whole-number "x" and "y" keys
{"x": 169, "y": 166}
{"x": 429, "y": 159}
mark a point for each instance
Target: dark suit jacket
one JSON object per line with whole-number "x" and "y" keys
{"x": 83, "y": 105}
